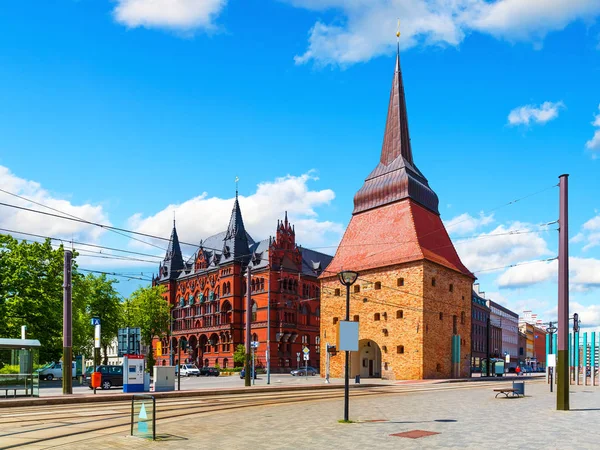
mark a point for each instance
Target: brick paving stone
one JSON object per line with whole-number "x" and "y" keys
{"x": 465, "y": 418}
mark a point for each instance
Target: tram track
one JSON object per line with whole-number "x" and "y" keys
{"x": 117, "y": 420}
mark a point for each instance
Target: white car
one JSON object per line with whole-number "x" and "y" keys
{"x": 189, "y": 369}
{"x": 53, "y": 370}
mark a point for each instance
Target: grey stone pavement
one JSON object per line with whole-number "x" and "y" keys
{"x": 464, "y": 418}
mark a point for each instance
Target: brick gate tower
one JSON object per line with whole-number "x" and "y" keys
{"x": 413, "y": 296}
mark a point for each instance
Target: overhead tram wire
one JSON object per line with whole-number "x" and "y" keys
{"x": 75, "y": 217}
{"x": 70, "y": 241}
{"x": 115, "y": 274}
{"x": 110, "y": 227}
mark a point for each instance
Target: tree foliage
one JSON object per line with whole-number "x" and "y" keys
{"x": 147, "y": 309}
{"x": 31, "y": 294}
{"x": 239, "y": 356}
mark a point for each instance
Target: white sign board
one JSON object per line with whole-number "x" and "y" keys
{"x": 551, "y": 360}
{"x": 347, "y": 336}
{"x": 97, "y": 336}
{"x": 507, "y": 359}
{"x": 306, "y": 357}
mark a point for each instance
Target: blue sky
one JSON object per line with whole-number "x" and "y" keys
{"x": 124, "y": 112}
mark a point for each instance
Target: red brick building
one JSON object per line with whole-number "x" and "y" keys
{"x": 413, "y": 295}
{"x": 207, "y": 294}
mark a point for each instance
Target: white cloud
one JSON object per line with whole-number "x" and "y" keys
{"x": 466, "y": 223}
{"x": 19, "y": 220}
{"x": 363, "y": 29}
{"x": 180, "y": 15}
{"x": 203, "y": 216}
{"x": 524, "y": 115}
{"x": 590, "y": 234}
{"x": 513, "y": 244}
{"x": 584, "y": 274}
{"x": 594, "y": 142}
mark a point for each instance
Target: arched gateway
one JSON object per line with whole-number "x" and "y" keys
{"x": 366, "y": 362}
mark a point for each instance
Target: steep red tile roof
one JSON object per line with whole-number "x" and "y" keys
{"x": 393, "y": 234}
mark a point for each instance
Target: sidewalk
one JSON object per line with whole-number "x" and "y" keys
{"x": 462, "y": 418}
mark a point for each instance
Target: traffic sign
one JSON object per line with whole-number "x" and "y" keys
{"x": 306, "y": 357}
{"x": 305, "y": 350}
{"x": 95, "y": 321}
{"x": 254, "y": 344}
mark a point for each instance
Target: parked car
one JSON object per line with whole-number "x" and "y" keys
{"x": 210, "y": 371}
{"x": 53, "y": 371}
{"x": 111, "y": 376}
{"x": 189, "y": 370}
{"x": 243, "y": 374}
{"x": 301, "y": 372}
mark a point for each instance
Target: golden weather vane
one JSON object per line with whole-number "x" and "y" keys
{"x": 398, "y": 30}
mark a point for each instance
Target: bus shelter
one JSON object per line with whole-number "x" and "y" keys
{"x": 21, "y": 353}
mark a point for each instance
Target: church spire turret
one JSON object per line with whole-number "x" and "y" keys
{"x": 396, "y": 177}
{"x": 173, "y": 262}
{"x": 235, "y": 245}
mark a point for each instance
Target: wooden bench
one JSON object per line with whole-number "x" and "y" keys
{"x": 508, "y": 392}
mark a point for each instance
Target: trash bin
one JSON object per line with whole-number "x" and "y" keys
{"x": 357, "y": 379}
{"x": 519, "y": 387}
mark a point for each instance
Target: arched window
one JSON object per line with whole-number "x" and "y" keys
{"x": 254, "y": 311}
{"x": 262, "y": 284}
{"x": 285, "y": 284}
{"x": 462, "y": 317}
{"x": 318, "y": 344}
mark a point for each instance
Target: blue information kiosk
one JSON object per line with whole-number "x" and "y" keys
{"x": 133, "y": 373}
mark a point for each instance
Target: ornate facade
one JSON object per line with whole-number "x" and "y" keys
{"x": 208, "y": 297}
{"x": 413, "y": 294}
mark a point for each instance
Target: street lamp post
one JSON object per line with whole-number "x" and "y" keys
{"x": 347, "y": 278}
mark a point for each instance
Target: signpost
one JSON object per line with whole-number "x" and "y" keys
{"x": 306, "y": 352}
{"x": 96, "y": 324}
{"x": 254, "y": 345}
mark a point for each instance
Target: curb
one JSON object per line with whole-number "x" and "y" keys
{"x": 76, "y": 399}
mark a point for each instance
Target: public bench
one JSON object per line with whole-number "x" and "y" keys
{"x": 14, "y": 390}
{"x": 508, "y": 392}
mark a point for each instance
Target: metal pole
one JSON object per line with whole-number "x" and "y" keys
{"x": 347, "y": 362}
{"x": 306, "y": 369}
{"x": 253, "y": 382}
{"x": 179, "y": 364}
{"x": 269, "y": 327}
{"x": 67, "y": 371}
{"x": 487, "y": 347}
{"x": 248, "y": 325}
{"x": 562, "y": 369}
{"x": 577, "y": 359}
{"x": 327, "y": 362}
{"x": 550, "y": 369}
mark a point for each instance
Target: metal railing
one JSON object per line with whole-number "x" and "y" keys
{"x": 19, "y": 385}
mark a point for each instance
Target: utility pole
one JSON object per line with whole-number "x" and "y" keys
{"x": 67, "y": 371}
{"x": 248, "y": 324}
{"x": 269, "y": 326}
{"x": 562, "y": 363}
{"x": 487, "y": 347}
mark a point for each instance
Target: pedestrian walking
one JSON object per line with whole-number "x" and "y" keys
{"x": 518, "y": 370}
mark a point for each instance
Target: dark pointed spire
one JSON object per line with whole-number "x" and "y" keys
{"x": 396, "y": 140}
{"x": 396, "y": 177}
{"x": 173, "y": 262}
{"x": 235, "y": 243}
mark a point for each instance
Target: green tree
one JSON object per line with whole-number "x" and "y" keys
{"x": 147, "y": 309}
{"x": 239, "y": 356}
{"x": 103, "y": 302}
{"x": 31, "y": 281}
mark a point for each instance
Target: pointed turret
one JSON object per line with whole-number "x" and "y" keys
{"x": 396, "y": 177}
{"x": 236, "y": 245}
{"x": 173, "y": 262}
